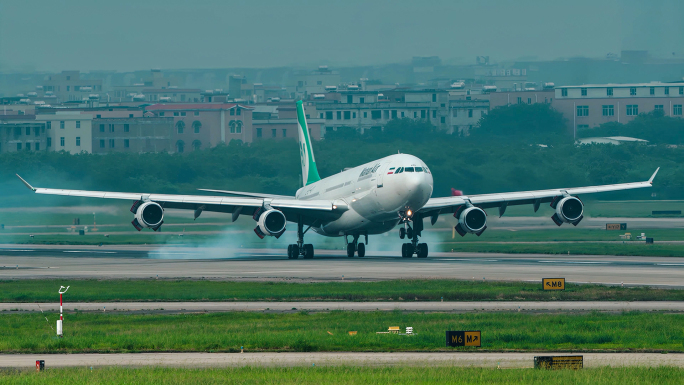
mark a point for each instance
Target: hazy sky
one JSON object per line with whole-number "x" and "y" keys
{"x": 129, "y": 35}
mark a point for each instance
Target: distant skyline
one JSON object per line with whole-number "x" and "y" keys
{"x": 126, "y": 35}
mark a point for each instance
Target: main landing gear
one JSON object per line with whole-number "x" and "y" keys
{"x": 356, "y": 247}
{"x": 408, "y": 249}
{"x": 298, "y": 249}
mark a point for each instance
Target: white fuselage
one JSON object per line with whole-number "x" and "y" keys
{"x": 374, "y": 193}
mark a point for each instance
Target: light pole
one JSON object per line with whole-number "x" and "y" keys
{"x": 61, "y": 317}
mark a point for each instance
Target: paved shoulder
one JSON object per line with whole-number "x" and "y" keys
{"x": 609, "y": 306}
{"x": 485, "y": 360}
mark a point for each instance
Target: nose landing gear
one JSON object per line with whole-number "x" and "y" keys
{"x": 356, "y": 247}
{"x": 409, "y": 249}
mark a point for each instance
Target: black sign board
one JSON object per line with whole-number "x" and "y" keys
{"x": 464, "y": 338}
{"x": 559, "y": 362}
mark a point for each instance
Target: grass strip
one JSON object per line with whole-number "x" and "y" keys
{"x": 395, "y": 290}
{"x": 626, "y": 249}
{"x": 345, "y": 375}
{"x": 308, "y": 332}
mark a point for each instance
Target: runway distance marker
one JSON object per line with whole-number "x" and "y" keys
{"x": 558, "y": 362}
{"x": 464, "y": 338}
{"x": 553, "y": 283}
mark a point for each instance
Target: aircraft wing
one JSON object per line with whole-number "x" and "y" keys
{"x": 291, "y": 207}
{"x": 436, "y": 206}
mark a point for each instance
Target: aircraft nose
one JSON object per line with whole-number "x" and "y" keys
{"x": 419, "y": 189}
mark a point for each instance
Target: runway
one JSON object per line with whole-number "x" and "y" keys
{"x": 214, "y": 360}
{"x": 137, "y": 262}
{"x": 318, "y": 306}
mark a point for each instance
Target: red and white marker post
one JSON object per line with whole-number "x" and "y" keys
{"x": 61, "y": 317}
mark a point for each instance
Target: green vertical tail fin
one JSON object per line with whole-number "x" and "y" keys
{"x": 309, "y": 170}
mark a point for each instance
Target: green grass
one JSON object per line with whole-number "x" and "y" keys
{"x": 608, "y": 209}
{"x": 395, "y": 290}
{"x": 305, "y": 332}
{"x": 563, "y": 234}
{"x": 626, "y": 249}
{"x": 345, "y": 375}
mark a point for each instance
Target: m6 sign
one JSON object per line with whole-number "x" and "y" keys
{"x": 464, "y": 338}
{"x": 553, "y": 283}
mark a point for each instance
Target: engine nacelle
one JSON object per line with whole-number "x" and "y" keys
{"x": 148, "y": 215}
{"x": 270, "y": 223}
{"x": 472, "y": 220}
{"x": 568, "y": 210}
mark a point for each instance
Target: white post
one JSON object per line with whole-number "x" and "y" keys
{"x": 61, "y": 315}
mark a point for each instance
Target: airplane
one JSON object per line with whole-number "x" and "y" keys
{"x": 369, "y": 199}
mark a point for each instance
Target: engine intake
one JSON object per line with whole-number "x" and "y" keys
{"x": 471, "y": 220}
{"x": 270, "y": 223}
{"x": 568, "y": 210}
{"x": 148, "y": 215}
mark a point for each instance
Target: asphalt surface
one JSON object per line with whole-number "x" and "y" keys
{"x": 117, "y": 262}
{"x": 214, "y": 360}
{"x": 526, "y": 306}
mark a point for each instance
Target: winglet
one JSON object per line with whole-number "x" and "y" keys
{"x": 650, "y": 181}
{"x": 26, "y": 183}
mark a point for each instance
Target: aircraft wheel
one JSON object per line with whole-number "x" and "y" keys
{"x": 409, "y": 232}
{"x": 308, "y": 251}
{"x": 402, "y": 233}
{"x": 406, "y": 251}
{"x": 350, "y": 250}
{"x": 293, "y": 251}
{"x": 361, "y": 250}
{"x": 289, "y": 251}
{"x": 422, "y": 250}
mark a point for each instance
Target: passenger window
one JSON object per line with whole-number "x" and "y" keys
{"x": 419, "y": 169}
{"x": 408, "y": 169}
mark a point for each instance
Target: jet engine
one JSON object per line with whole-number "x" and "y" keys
{"x": 270, "y": 222}
{"x": 148, "y": 215}
{"x": 471, "y": 220}
{"x": 568, "y": 210}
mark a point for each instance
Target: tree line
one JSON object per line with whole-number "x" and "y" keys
{"x": 513, "y": 148}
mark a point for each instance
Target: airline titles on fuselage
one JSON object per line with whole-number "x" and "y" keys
{"x": 369, "y": 170}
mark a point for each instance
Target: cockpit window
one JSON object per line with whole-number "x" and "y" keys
{"x": 399, "y": 170}
{"x": 419, "y": 169}
{"x": 408, "y": 169}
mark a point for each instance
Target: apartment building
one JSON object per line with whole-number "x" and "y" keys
{"x": 498, "y": 99}
{"x": 22, "y": 133}
{"x": 136, "y": 134}
{"x": 69, "y": 131}
{"x": 588, "y": 106}
{"x": 374, "y": 109}
{"x": 282, "y": 123}
{"x": 206, "y": 124}
{"x": 68, "y": 86}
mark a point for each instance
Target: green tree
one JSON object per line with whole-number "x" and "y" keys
{"x": 529, "y": 123}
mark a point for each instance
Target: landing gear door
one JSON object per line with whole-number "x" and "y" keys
{"x": 381, "y": 174}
